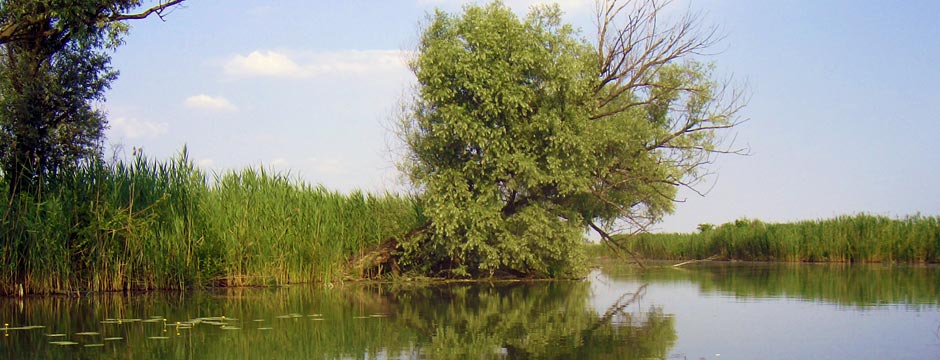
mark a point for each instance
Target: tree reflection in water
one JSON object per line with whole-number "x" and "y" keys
{"x": 540, "y": 320}
{"x": 553, "y": 320}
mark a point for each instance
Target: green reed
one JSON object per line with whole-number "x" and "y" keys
{"x": 858, "y": 238}
{"x": 282, "y": 231}
{"x": 148, "y": 224}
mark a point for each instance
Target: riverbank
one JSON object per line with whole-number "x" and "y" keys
{"x": 846, "y": 239}
{"x": 146, "y": 224}
{"x": 168, "y": 225}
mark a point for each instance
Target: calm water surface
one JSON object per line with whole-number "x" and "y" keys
{"x": 701, "y": 311}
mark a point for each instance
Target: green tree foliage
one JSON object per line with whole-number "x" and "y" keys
{"x": 522, "y": 135}
{"x": 705, "y": 227}
{"x": 53, "y": 67}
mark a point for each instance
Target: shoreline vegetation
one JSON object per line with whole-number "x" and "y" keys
{"x": 861, "y": 238}
{"x": 148, "y": 224}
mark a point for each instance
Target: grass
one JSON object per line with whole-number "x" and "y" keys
{"x": 149, "y": 224}
{"x": 848, "y": 239}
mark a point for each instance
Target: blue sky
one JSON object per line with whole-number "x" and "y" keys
{"x": 844, "y": 109}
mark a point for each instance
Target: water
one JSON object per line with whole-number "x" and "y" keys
{"x": 700, "y": 311}
{"x": 775, "y": 311}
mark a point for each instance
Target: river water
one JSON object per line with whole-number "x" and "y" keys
{"x": 698, "y": 311}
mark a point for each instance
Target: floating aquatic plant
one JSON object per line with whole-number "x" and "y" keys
{"x": 63, "y": 343}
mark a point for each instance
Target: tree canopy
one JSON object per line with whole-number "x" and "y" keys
{"x": 54, "y": 66}
{"x": 521, "y": 134}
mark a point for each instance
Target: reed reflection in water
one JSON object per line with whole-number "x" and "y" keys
{"x": 710, "y": 311}
{"x": 461, "y": 320}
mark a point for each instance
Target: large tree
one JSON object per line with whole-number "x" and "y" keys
{"x": 54, "y": 64}
{"x": 521, "y": 135}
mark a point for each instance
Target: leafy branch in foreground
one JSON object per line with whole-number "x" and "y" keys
{"x": 521, "y": 135}
{"x": 54, "y": 66}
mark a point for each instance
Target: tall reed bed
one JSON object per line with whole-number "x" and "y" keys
{"x": 278, "y": 230}
{"x": 149, "y": 224}
{"x": 858, "y": 238}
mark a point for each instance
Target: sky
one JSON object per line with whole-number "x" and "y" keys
{"x": 843, "y": 115}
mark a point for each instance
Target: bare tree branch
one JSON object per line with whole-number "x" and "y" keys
{"x": 22, "y": 29}
{"x": 648, "y": 65}
{"x": 611, "y": 242}
{"x": 157, "y": 9}
{"x": 631, "y": 54}
{"x": 619, "y": 305}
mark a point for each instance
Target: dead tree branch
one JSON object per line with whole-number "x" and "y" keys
{"x": 615, "y": 245}
{"x": 24, "y": 28}
{"x": 157, "y": 9}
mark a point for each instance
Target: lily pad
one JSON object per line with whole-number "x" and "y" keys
{"x": 29, "y": 327}
{"x": 63, "y": 343}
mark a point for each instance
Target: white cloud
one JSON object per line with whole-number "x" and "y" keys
{"x": 329, "y": 166}
{"x": 270, "y": 63}
{"x": 211, "y": 103}
{"x": 258, "y": 63}
{"x": 280, "y": 163}
{"x": 133, "y": 128}
{"x": 205, "y": 163}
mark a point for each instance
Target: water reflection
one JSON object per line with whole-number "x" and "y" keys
{"x": 736, "y": 311}
{"x": 543, "y": 320}
{"x": 778, "y": 311}
{"x": 849, "y": 285}
{"x": 507, "y": 320}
